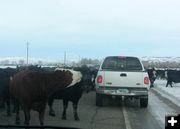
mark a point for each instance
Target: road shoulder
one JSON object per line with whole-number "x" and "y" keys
{"x": 168, "y": 96}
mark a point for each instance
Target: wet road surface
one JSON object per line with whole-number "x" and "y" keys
{"x": 115, "y": 114}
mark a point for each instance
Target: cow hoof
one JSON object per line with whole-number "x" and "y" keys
{"x": 26, "y": 123}
{"x": 17, "y": 120}
{"x": 63, "y": 118}
{"x": 52, "y": 114}
{"x": 17, "y": 123}
{"x": 77, "y": 118}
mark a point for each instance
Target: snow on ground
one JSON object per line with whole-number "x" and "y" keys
{"x": 171, "y": 93}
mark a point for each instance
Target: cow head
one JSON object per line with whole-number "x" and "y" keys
{"x": 76, "y": 75}
{"x": 62, "y": 78}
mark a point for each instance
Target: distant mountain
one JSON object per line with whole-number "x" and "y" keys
{"x": 161, "y": 59}
{"x": 23, "y": 60}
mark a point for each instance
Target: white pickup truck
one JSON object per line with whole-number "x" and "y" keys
{"x": 122, "y": 76}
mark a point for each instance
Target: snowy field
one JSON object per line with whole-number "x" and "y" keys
{"x": 3, "y": 67}
{"x": 172, "y": 93}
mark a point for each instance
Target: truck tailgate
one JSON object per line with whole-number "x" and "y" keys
{"x": 124, "y": 79}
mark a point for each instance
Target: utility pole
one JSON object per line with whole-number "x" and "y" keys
{"x": 27, "y": 54}
{"x": 65, "y": 59}
{"x": 79, "y": 61}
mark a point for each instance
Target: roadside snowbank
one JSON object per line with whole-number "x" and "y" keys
{"x": 171, "y": 93}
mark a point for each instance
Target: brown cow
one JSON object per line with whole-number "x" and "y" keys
{"x": 32, "y": 89}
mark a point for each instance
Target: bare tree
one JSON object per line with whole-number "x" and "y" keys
{"x": 21, "y": 62}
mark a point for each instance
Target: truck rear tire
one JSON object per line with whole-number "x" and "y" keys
{"x": 99, "y": 100}
{"x": 143, "y": 102}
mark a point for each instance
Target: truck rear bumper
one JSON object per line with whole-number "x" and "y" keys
{"x": 122, "y": 91}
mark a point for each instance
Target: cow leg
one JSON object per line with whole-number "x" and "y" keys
{"x": 50, "y": 104}
{"x": 14, "y": 109}
{"x": 8, "y": 107}
{"x": 14, "y": 105}
{"x": 2, "y": 103}
{"x": 152, "y": 83}
{"x": 17, "y": 112}
{"x": 171, "y": 83}
{"x": 41, "y": 115}
{"x": 27, "y": 116}
{"x": 153, "y": 80}
{"x": 168, "y": 82}
{"x": 65, "y": 105}
{"x": 76, "y": 117}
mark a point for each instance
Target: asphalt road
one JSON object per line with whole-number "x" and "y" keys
{"x": 115, "y": 114}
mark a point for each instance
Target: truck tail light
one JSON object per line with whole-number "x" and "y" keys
{"x": 99, "y": 79}
{"x": 146, "y": 80}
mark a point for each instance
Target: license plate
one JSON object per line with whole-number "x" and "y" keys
{"x": 122, "y": 91}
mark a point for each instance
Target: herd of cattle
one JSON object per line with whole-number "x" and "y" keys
{"x": 32, "y": 87}
{"x": 171, "y": 75}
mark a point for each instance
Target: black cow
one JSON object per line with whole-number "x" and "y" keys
{"x": 72, "y": 94}
{"x": 87, "y": 77}
{"x": 172, "y": 76}
{"x": 152, "y": 76}
{"x": 29, "y": 67}
{"x": 160, "y": 73}
{"x": 94, "y": 72}
{"x": 5, "y": 75}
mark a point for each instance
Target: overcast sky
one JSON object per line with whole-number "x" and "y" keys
{"x": 89, "y": 28}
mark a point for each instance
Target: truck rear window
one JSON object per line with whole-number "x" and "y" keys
{"x": 118, "y": 63}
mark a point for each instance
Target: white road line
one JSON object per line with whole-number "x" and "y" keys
{"x": 126, "y": 119}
